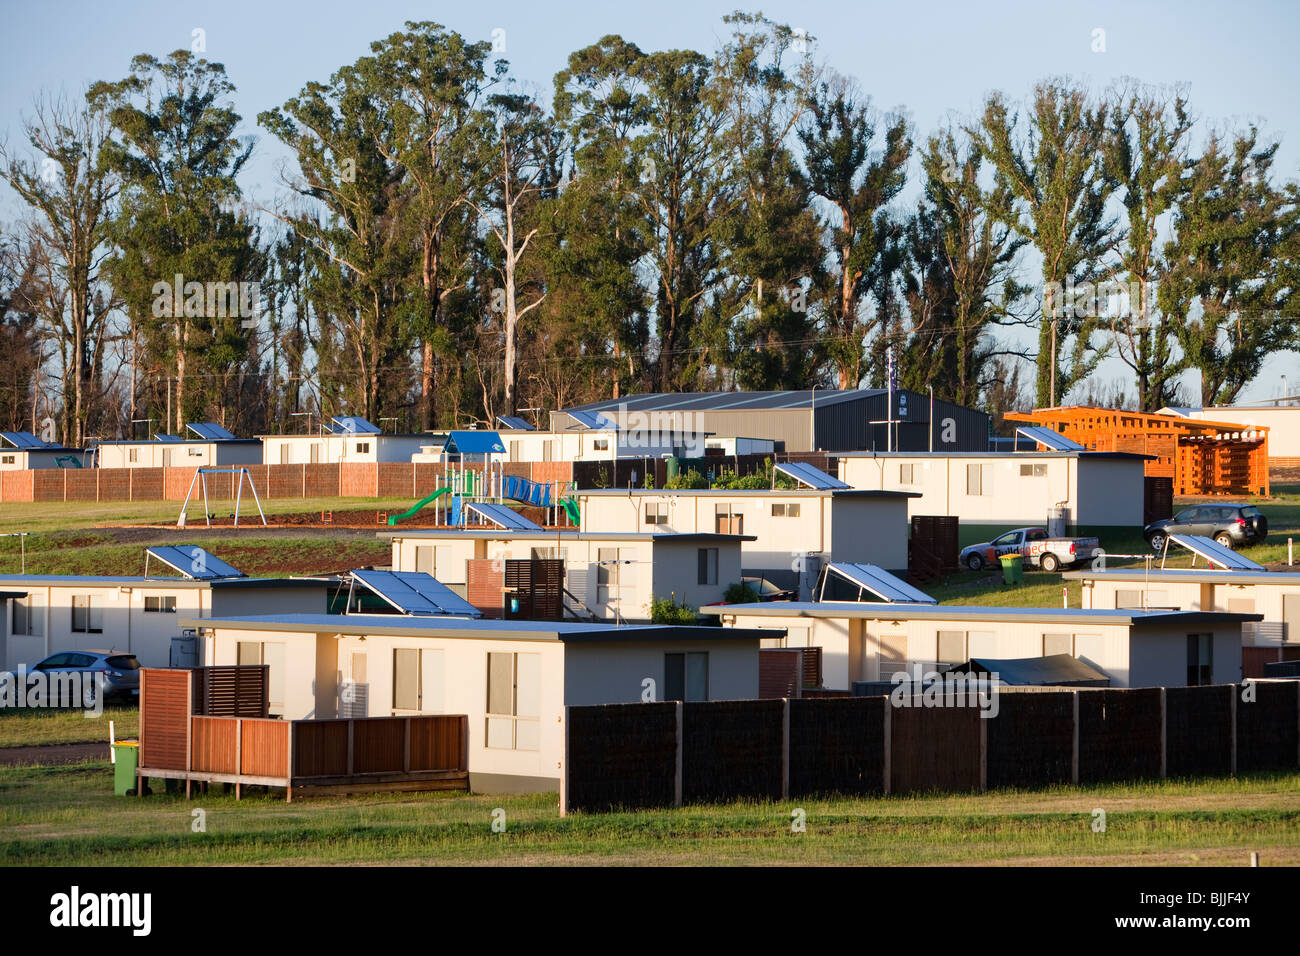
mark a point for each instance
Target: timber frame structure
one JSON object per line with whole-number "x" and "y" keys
{"x": 1202, "y": 457}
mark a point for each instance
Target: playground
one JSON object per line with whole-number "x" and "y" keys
{"x": 458, "y": 502}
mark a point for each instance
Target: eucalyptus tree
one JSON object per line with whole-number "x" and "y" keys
{"x": 175, "y": 149}
{"x": 856, "y": 174}
{"x": 1055, "y": 161}
{"x": 65, "y": 183}
{"x": 1147, "y": 154}
{"x": 1228, "y": 286}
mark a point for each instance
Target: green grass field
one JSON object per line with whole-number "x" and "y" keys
{"x": 72, "y": 515}
{"x": 68, "y": 816}
{"x": 35, "y": 727}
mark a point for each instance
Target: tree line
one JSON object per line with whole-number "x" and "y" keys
{"x": 449, "y": 245}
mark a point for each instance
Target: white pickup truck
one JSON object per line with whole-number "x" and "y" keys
{"x": 1034, "y": 545}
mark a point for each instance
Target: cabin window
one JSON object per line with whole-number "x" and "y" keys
{"x": 656, "y": 512}
{"x": 787, "y": 510}
{"x": 1200, "y": 659}
{"x": 195, "y": 452}
{"x": 424, "y": 559}
{"x": 86, "y": 618}
{"x": 975, "y": 483}
{"x": 686, "y": 676}
{"x": 906, "y": 474}
{"x": 951, "y": 648}
{"x": 160, "y": 603}
{"x": 708, "y": 566}
{"x": 1033, "y": 471}
{"x": 315, "y": 452}
{"x": 252, "y": 653}
{"x": 1058, "y": 644}
{"x": 728, "y": 521}
{"x": 133, "y": 454}
{"x": 363, "y": 448}
{"x": 406, "y": 678}
{"x": 601, "y": 444}
{"x": 27, "y": 617}
{"x": 7, "y": 459}
{"x": 286, "y": 454}
{"x": 514, "y": 690}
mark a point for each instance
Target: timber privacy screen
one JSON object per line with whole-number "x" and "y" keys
{"x": 632, "y": 756}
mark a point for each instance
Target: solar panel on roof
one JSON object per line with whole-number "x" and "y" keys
{"x": 352, "y": 425}
{"x": 210, "y": 431}
{"x": 1049, "y": 437}
{"x": 879, "y": 582}
{"x": 416, "y": 593}
{"x": 811, "y": 476}
{"x": 161, "y": 437}
{"x": 593, "y": 420}
{"x": 1215, "y": 553}
{"x": 502, "y": 517}
{"x": 24, "y": 440}
{"x": 194, "y": 562}
{"x": 515, "y": 422}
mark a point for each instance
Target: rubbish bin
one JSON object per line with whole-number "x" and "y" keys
{"x": 126, "y": 757}
{"x": 1013, "y": 569}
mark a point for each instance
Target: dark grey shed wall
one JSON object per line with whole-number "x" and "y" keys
{"x": 843, "y": 424}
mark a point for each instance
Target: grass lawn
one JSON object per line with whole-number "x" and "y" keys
{"x": 69, "y": 816}
{"x": 32, "y": 727}
{"x": 62, "y": 516}
{"x": 96, "y": 552}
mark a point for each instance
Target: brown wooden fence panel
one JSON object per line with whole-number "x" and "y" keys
{"x": 485, "y": 585}
{"x": 232, "y": 690}
{"x": 1031, "y": 740}
{"x": 1119, "y": 734}
{"x": 780, "y": 671}
{"x": 264, "y": 751}
{"x": 934, "y": 748}
{"x": 213, "y": 747}
{"x": 437, "y": 742}
{"x": 320, "y": 748}
{"x": 1198, "y": 731}
{"x": 837, "y": 745}
{"x": 377, "y": 745}
{"x": 164, "y": 718}
{"x": 732, "y": 749}
{"x": 1266, "y": 727}
{"x": 621, "y": 755}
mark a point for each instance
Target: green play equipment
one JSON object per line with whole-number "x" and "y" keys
{"x": 393, "y": 519}
{"x": 571, "y": 509}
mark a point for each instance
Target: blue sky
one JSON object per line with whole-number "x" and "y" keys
{"x": 935, "y": 59}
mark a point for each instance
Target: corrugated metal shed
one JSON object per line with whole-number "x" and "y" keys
{"x": 846, "y": 419}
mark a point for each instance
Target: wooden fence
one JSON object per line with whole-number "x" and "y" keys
{"x": 666, "y": 754}
{"x": 419, "y": 752}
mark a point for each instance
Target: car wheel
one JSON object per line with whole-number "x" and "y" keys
{"x": 1049, "y": 563}
{"x": 1224, "y": 539}
{"x": 1157, "y": 542}
{"x": 975, "y": 562}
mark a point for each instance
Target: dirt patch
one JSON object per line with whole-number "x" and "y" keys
{"x": 50, "y": 755}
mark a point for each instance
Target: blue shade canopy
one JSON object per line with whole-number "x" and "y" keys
{"x": 210, "y": 431}
{"x": 474, "y": 443}
{"x": 194, "y": 562}
{"x": 811, "y": 476}
{"x": 1049, "y": 437}
{"x": 415, "y": 593}
{"x": 881, "y": 583}
{"x": 352, "y": 425}
{"x": 502, "y": 517}
{"x": 1215, "y": 553}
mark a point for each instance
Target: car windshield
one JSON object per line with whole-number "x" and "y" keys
{"x": 123, "y": 662}
{"x": 1011, "y": 537}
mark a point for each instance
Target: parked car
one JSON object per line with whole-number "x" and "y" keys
{"x": 120, "y": 672}
{"x": 1035, "y": 545}
{"x": 767, "y": 591}
{"x": 1233, "y": 526}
